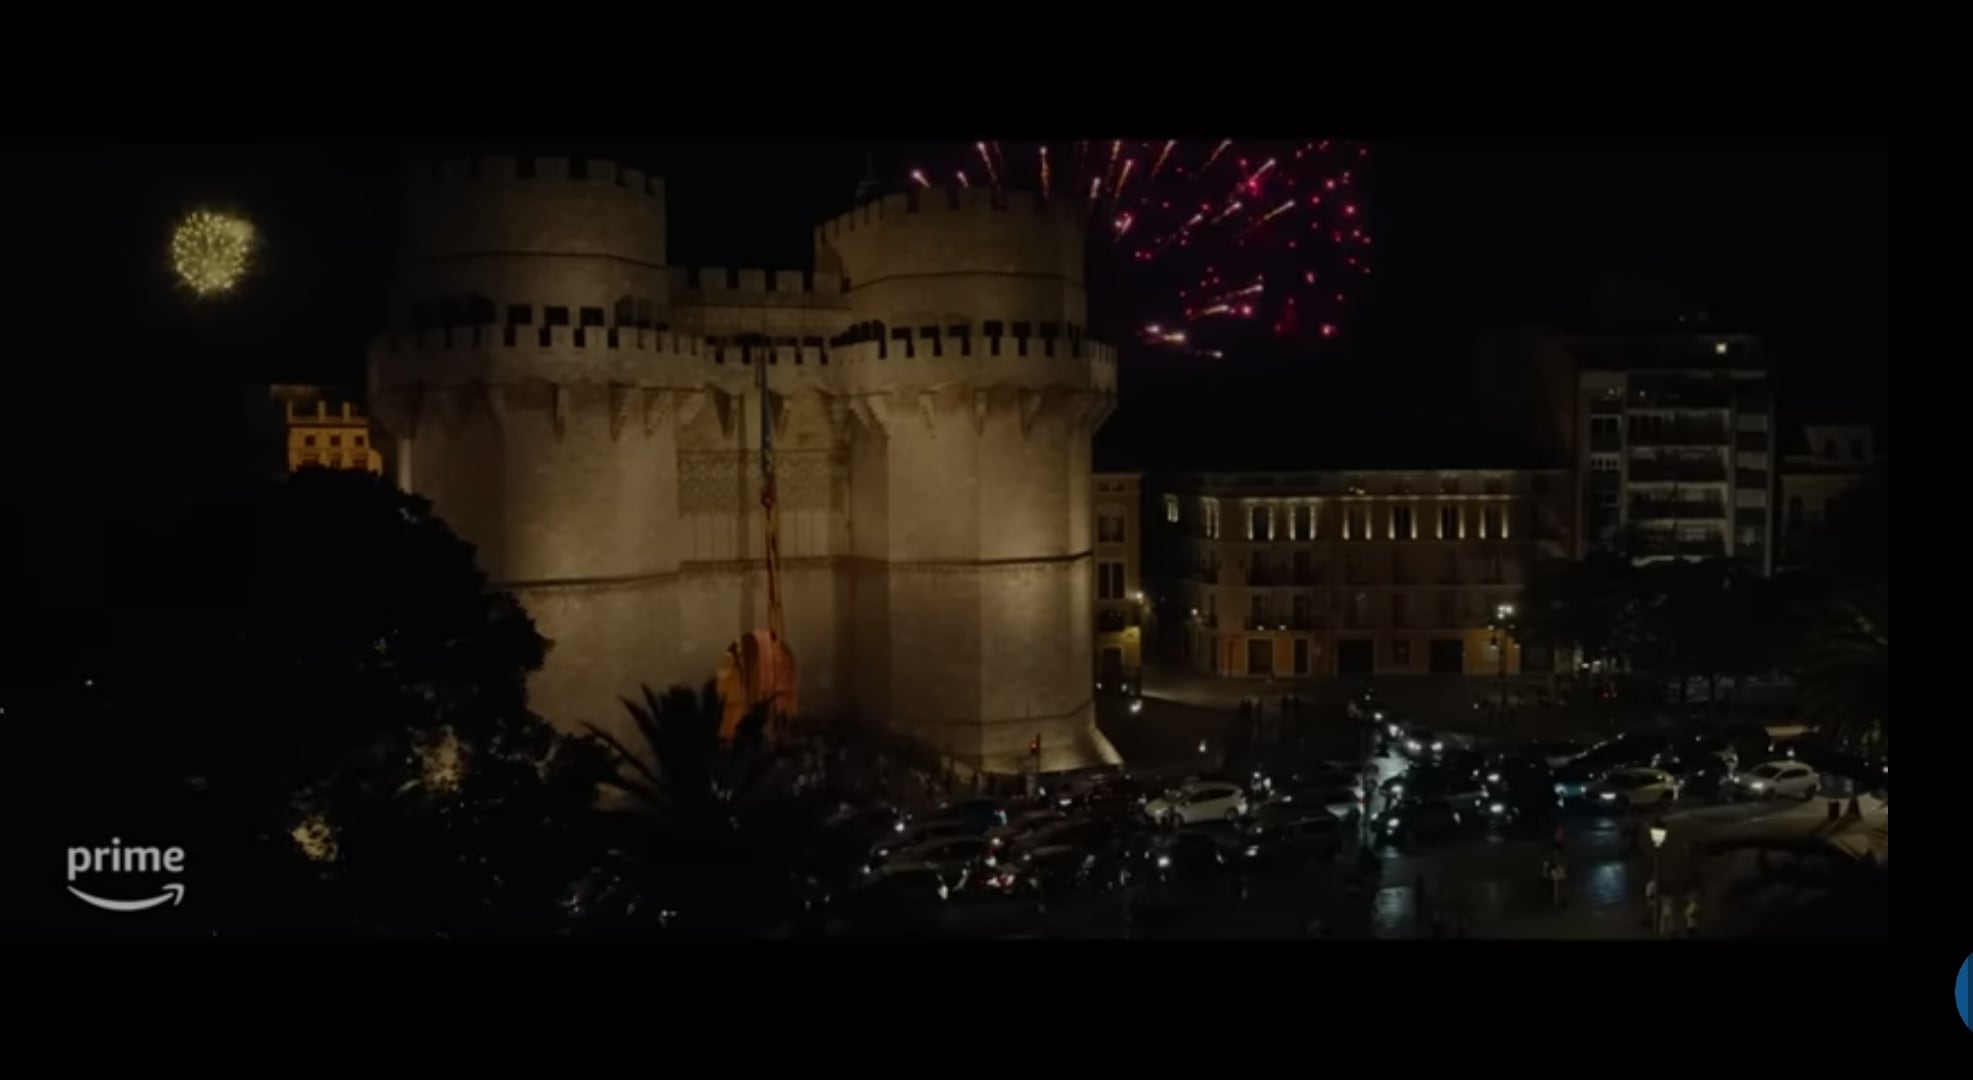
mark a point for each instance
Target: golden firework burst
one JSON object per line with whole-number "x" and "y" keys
{"x": 210, "y": 251}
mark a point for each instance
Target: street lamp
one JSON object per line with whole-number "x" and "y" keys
{"x": 1658, "y": 834}
{"x": 1503, "y": 615}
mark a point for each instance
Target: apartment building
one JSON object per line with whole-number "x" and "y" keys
{"x": 1120, "y": 607}
{"x": 1311, "y": 574}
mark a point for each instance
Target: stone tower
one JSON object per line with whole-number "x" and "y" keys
{"x": 971, "y": 505}
{"x": 589, "y": 419}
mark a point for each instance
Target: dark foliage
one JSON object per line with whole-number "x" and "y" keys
{"x": 324, "y": 650}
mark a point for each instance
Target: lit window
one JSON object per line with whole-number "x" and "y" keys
{"x": 1171, "y": 509}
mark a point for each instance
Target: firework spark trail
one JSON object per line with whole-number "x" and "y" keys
{"x": 1124, "y": 177}
{"x": 992, "y": 176}
{"x": 1217, "y": 151}
{"x": 1165, "y": 212}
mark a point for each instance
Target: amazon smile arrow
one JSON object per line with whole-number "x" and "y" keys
{"x": 174, "y": 894}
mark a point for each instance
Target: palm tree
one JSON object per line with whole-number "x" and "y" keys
{"x": 1845, "y": 672}
{"x": 711, "y": 829}
{"x": 685, "y": 773}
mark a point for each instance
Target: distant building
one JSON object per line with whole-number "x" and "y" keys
{"x": 1120, "y": 605}
{"x": 1311, "y": 574}
{"x": 326, "y": 431}
{"x": 1673, "y": 447}
{"x": 1830, "y": 460}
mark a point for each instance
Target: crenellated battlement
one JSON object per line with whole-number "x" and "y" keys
{"x": 501, "y": 168}
{"x": 923, "y": 202}
{"x": 718, "y": 285}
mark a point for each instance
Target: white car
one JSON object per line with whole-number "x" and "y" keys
{"x": 1626, "y": 788}
{"x": 1201, "y": 800}
{"x": 1778, "y": 779}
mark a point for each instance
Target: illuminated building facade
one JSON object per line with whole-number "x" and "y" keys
{"x": 324, "y": 432}
{"x": 593, "y": 420}
{"x": 1675, "y": 453}
{"x": 1121, "y": 610}
{"x": 1829, "y": 461}
{"x": 1296, "y": 575}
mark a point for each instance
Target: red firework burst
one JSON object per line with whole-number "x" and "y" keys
{"x": 1199, "y": 245}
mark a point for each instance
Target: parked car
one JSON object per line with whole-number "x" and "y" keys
{"x": 1459, "y": 787}
{"x": 1100, "y": 795}
{"x": 1701, "y": 766}
{"x": 1184, "y": 859}
{"x": 1281, "y": 834}
{"x": 1630, "y": 750}
{"x": 1414, "y": 818}
{"x": 1553, "y": 754}
{"x": 1198, "y": 801}
{"x": 908, "y": 836}
{"x": 954, "y": 858}
{"x": 1022, "y": 824}
{"x": 1627, "y": 788}
{"x": 980, "y": 815}
{"x": 1777, "y": 780}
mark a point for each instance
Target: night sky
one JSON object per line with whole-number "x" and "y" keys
{"x": 1788, "y": 239}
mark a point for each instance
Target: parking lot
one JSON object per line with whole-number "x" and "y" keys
{"x": 1367, "y": 828}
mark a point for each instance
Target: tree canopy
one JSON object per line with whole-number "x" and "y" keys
{"x": 315, "y": 692}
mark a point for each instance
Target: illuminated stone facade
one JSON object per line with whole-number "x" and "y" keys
{"x": 1299, "y": 575}
{"x": 1121, "y": 606}
{"x": 589, "y": 417}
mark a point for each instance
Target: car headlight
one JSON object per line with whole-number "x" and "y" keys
{"x": 1413, "y": 745}
{"x": 1758, "y": 785}
{"x": 1397, "y": 789}
{"x": 1493, "y": 778}
{"x": 1437, "y": 746}
{"x": 1066, "y": 801}
{"x": 1390, "y": 823}
{"x": 1137, "y": 706}
{"x": 1608, "y": 796}
{"x": 1252, "y": 851}
{"x": 992, "y": 862}
{"x": 1164, "y": 861}
{"x": 899, "y": 827}
{"x": 1496, "y": 808}
{"x": 1561, "y": 789}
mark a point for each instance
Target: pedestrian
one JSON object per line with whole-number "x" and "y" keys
{"x": 1667, "y": 915}
{"x": 1651, "y": 904}
{"x": 1692, "y": 913}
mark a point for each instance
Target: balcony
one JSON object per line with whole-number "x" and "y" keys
{"x": 1680, "y": 435}
{"x": 1304, "y": 622}
{"x": 1252, "y": 623}
{"x": 1263, "y": 578}
{"x": 1661, "y": 509}
{"x": 1677, "y": 470}
{"x": 1691, "y": 548}
{"x": 1605, "y": 442}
